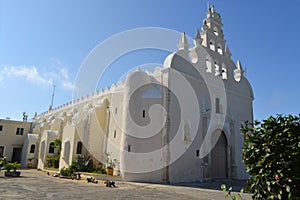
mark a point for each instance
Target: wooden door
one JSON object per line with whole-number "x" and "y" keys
{"x": 16, "y": 157}
{"x": 219, "y": 157}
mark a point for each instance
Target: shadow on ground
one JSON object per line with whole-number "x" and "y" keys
{"x": 236, "y": 185}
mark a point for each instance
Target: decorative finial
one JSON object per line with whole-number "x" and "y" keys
{"x": 213, "y": 8}
{"x": 204, "y": 27}
{"x": 239, "y": 65}
{"x": 183, "y": 43}
{"x": 238, "y": 71}
{"x": 227, "y": 51}
{"x": 198, "y": 39}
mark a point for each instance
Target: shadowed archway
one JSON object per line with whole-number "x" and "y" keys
{"x": 219, "y": 156}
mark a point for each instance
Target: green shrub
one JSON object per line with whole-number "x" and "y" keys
{"x": 16, "y": 166}
{"x": 8, "y": 166}
{"x": 56, "y": 161}
{"x": 272, "y": 156}
{"x": 68, "y": 171}
{"x": 53, "y": 161}
{"x": 100, "y": 168}
{"x": 84, "y": 163}
{"x": 229, "y": 193}
{"x": 2, "y": 161}
{"x": 64, "y": 172}
{"x": 111, "y": 163}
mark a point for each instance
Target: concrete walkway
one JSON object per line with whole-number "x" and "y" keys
{"x": 34, "y": 184}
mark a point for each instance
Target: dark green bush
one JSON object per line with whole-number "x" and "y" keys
{"x": 2, "y": 161}
{"x": 16, "y": 166}
{"x": 68, "y": 171}
{"x": 8, "y": 167}
{"x": 53, "y": 162}
{"x": 100, "y": 168}
{"x": 56, "y": 161}
{"x": 272, "y": 156}
{"x": 84, "y": 163}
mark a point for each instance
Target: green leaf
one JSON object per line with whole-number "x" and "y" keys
{"x": 288, "y": 189}
{"x": 242, "y": 191}
{"x": 290, "y": 196}
{"x": 279, "y": 196}
{"x": 223, "y": 187}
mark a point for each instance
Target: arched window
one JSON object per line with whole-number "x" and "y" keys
{"x": 216, "y": 31}
{"x": 51, "y": 147}
{"x": 220, "y": 49}
{"x": 79, "y": 148}
{"x": 212, "y": 45}
{"x": 217, "y": 69}
{"x": 32, "y": 148}
{"x": 208, "y": 65}
{"x": 224, "y": 71}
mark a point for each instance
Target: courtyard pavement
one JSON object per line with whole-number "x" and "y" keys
{"x": 35, "y": 184}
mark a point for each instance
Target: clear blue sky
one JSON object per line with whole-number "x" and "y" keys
{"x": 44, "y": 43}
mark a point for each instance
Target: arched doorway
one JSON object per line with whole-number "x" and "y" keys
{"x": 219, "y": 155}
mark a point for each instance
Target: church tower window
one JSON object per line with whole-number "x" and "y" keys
{"x": 208, "y": 65}
{"x": 224, "y": 71}
{"x": 220, "y": 50}
{"x": 212, "y": 45}
{"x": 216, "y": 31}
{"x": 217, "y": 69}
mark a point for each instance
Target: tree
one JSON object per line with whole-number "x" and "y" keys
{"x": 57, "y": 144}
{"x": 272, "y": 156}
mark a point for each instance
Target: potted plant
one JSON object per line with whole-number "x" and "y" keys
{"x": 13, "y": 166}
{"x": 16, "y": 166}
{"x": 50, "y": 161}
{"x": 29, "y": 165}
{"x": 8, "y": 167}
{"x": 111, "y": 164}
{"x": 2, "y": 162}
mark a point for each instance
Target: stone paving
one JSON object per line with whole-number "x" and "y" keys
{"x": 34, "y": 184}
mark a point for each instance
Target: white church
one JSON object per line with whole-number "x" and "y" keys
{"x": 179, "y": 123}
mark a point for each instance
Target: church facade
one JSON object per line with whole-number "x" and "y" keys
{"x": 179, "y": 123}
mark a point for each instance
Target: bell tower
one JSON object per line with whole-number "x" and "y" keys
{"x": 212, "y": 33}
